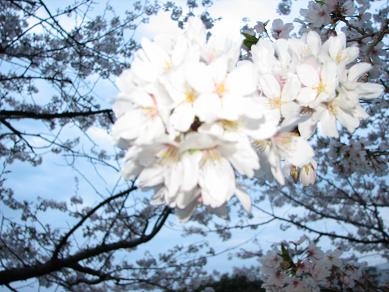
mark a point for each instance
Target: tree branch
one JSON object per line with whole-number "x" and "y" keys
{"x": 15, "y": 115}
{"x": 53, "y": 265}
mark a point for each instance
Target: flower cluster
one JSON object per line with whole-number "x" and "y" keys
{"x": 303, "y": 266}
{"x": 193, "y": 116}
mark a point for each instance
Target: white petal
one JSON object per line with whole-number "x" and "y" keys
{"x": 347, "y": 120}
{"x": 182, "y": 117}
{"x": 173, "y": 178}
{"x": 300, "y": 152}
{"x": 307, "y": 127}
{"x": 151, "y": 176}
{"x": 329, "y": 77}
{"x": 191, "y": 163}
{"x": 242, "y": 156}
{"x": 314, "y": 42}
{"x": 291, "y": 88}
{"x": 269, "y": 85}
{"x": 290, "y": 110}
{"x": 199, "y": 77}
{"x": 358, "y": 70}
{"x": 327, "y": 125}
{"x": 306, "y": 96}
{"x": 157, "y": 56}
{"x": 369, "y": 90}
{"x": 217, "y": 181}
{"x": 207, "y": 107}
{"x": 244, "y": 199}
{"x": 308, "y": 75}
{"x": 184, "y": 214}
{"x": 242, "y": 79}
{"x": 127, "y": 126}
{"x": 336, "y": 45}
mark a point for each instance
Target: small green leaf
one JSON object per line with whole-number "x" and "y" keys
{"x": 321, "y": 2}
{"x": 249, "y": 40}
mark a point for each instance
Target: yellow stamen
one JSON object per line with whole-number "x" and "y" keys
{"x": 294, "y": 173}
{"x": 331, "y": 107}
{"x": 261, "y": 145}
{"x": 339, "y": 58}
{"x": 220, "y": 89}
{"x": 168, "y": 65}
{"x": 275, "y": 102}
{"x": 151, "y": 111}
{"x": 190, "y": 95}
{"x": 230, "y": 125}
{"x": 169, "y": 154}
{"x": 321, "y": 87}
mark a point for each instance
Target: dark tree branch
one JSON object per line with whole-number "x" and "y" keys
{"x": 54, "y": 265}
{"x": 85, "y": 217}
{"x": 15, "y": 115}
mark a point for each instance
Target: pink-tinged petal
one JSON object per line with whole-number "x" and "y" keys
{"x": 244, "y": 199}
{"x": 306, "y": 96}
{"x": 357, "y": 70}
{"x": 207, "y": 107}
{"x": 327, "y": 125}
{"x": 270, "y": 86}
{"x": 182, "y": 117}
{"x": 308, "y": 75}
{"x": 151, "y": 176}
{"x": 242, "y": 79}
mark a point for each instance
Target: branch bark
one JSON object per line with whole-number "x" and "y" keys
{"x": 54, "y": 265}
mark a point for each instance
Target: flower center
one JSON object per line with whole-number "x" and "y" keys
{"x": 321, "y": 87}
{"x": 220, "y": 89}
{"x": 275, "y": 102}
{"x": 190, "y": 95}
{"x": 261, "y": 145}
